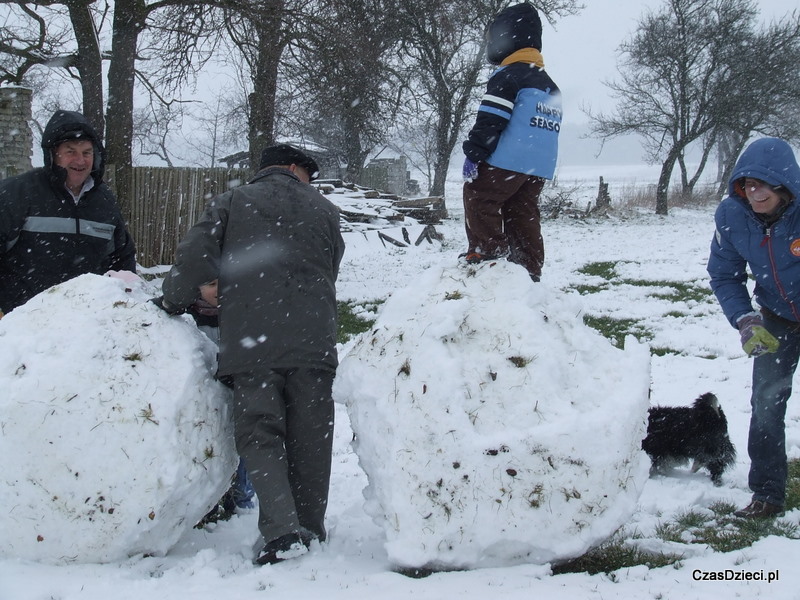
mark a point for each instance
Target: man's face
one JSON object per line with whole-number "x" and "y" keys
{"x": 761, "y": 196}
{"x": 77, "y": 158}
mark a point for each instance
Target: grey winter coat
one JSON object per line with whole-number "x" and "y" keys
{"x": 275, "y": 246}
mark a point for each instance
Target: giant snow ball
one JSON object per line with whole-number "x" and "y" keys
{"x": 494, "y": 427}
{"x": 114, "y": 435}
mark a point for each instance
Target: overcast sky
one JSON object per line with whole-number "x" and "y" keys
{"x": 581, "y": 51}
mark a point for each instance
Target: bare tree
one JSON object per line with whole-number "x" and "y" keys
{"x": 88, "y": 60}
{"x": 259, "y": 35}
{"x": 181, "y": 37}
{"x": 679, "y": 80}
{"x": 343, "y": 78}
{"x": 43, "y": 33}
{"x": 29, "y": 37}
{"x": 217, "y": 129}
{"x": 131, "y": 19}
{"x": 766, "y": 99}
{"x": 411, "y": 137}
{"x": 444, "y": 56}
{"x": 156, "y": 126}
{"x": 443, "y": 52}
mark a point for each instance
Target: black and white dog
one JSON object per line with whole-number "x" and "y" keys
{"x": 699, "y": 432}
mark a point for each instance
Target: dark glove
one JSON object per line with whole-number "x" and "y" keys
{"x": 470, "y": 170}
{"x": 167, "y": 307}
{"x": 756, "y": 340}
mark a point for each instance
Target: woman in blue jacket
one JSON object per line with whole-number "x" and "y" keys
{"x": 758, "y": 226}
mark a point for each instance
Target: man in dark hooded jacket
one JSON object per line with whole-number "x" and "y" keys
{"x": 513, "y": 145}
{"x": 758, "y": 226}
{"x": 61, "y": 220}
{"x": 271, "y": 251}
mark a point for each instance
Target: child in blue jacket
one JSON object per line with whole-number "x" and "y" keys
{"x": 513, "y": 146}
{"x": 758, "y": 226}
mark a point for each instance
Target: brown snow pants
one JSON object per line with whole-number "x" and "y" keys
{"x": 501, "y": 216}
{"x": 283, "y": 421}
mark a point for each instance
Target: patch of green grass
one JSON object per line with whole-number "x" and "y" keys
{"x": 614, "y": 555}
{"x": 663, "y": 351}
{"x": 793, "y": 485}
{"x": 350, "y": 320}
{"x": 715, "y": 527}
{"x": 690, "y": 519}
{"x": 604, "y": 269}
{"x": 677, "y": 314}
{"x": 584, "y": 289}
{"x": 616, "y": 329}
{"x": 683, "y": 291}
{"x": 723, "y": 532}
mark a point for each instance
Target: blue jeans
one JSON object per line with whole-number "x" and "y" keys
{"x": 772, "y": 386}
{"x": 242, "y": 489}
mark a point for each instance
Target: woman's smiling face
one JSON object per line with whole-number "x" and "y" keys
{"x": 763, "y": 199}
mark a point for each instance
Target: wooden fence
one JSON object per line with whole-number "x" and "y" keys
{"x": 165, "y": 202}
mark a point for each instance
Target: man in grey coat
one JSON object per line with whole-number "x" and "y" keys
{"x": 271, "y": 249}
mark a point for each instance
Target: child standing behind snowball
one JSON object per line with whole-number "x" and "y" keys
{"x": 513, "y": 146}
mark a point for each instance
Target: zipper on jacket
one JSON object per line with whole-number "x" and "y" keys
{"x": 765, "y": 241}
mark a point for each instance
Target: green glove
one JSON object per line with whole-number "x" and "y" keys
{"x": 756, "y": 340}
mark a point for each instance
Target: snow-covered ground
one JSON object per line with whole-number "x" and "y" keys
{"x": 216, "y": 562}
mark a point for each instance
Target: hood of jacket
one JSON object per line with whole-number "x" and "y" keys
{"x": 771, "y": 160}
{"x": 514, "y": 28}
{"x": 67, "y": 125}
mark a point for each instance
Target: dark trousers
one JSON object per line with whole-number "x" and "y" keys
{"x": 284, "y": 431}
{"x": 501, "y": 216}
{"x": 772, "y": 387}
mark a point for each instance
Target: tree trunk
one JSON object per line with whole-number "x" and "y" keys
{"x": 451, "y": 116}
{"x": 440, "y": 168}
{"x": 662, "y": 191}
{"x": 265, "y": 81}
{"x": 90, "y": 64}
{"x": 701, "y": 167}
{"x": 684, "y": 174}
{"x": 262, "y": 102}
{"x": 443, "y": 146}
{"x": 128, "y": 24}
{"x": 355, "y": 155}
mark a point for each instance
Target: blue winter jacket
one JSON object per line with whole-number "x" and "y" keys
{"x": 518, "y": 122}
{"x": 744, "y": 239}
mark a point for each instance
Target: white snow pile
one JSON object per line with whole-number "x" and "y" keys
{"x": 495, "y": 428}
{"x": 128, "y": 447}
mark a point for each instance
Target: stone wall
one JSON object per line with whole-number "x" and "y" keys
{"x": 16, "y": 139}
{"x": 388, "y": 175}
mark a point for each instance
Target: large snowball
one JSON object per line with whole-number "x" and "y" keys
{"x": 115, "y": 437}
{"x": 494, "y": 427}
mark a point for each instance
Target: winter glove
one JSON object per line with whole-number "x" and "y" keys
{"x": 470, "y": 170}
{"x": 166, "y": 306}
{"x": 756, "y": 340}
